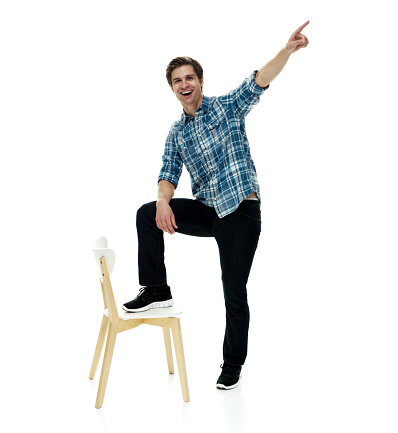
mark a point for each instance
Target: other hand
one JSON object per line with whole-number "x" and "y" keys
{"x": 165, "y": 219}
{"x": 297, "y": 40}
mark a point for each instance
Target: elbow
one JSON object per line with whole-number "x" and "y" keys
{"x": 262, "y": 80}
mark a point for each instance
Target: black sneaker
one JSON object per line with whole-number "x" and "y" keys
{"x": 150, "y": 297}
{"x": 229, "y": 377}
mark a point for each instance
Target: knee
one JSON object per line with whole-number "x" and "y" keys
{"x": 237, "y": 308}
{"x": 146, "y": 212}
{"x": 235, "y": 296}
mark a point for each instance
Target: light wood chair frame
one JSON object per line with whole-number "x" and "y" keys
{"x": 112, "y": 324}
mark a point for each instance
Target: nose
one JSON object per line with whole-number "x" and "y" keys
{"x": 184, "y": 83}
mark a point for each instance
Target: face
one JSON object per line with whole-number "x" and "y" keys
{"x": 187, "y": 87}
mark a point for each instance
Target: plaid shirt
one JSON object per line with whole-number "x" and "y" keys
{"x": 215, "y": 150}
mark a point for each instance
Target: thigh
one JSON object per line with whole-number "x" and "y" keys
{"x": 237, "y": 236}
{"x": 192, "y": 217}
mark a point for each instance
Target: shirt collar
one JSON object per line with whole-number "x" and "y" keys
{"x": 204, "y": 106}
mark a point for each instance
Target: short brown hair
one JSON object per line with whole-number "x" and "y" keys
{"x": 181, "y": 61}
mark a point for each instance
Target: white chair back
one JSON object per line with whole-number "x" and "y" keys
{"x": 100, "y": 249}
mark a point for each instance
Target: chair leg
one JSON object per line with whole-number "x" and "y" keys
{"x": 179, "y": 351}
{"x": 169, "y": 352}
{"x": 99, "y": 346}
{"x": 106, "y": 365}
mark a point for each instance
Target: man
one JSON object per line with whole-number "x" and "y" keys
{"x": 210, "y": 139}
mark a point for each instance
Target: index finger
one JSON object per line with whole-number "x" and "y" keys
{"x": 301, "y": 28}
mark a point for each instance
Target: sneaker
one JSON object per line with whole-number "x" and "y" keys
{"x": 150, "y": 297}
{"x": 229, "y": 377}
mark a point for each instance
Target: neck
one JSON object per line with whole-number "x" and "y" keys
{"x": 191, "y": 108}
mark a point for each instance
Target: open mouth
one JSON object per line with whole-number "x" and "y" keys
{"x": 186, "y": 94}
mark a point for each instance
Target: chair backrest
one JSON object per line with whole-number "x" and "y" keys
{"x": 105, "y": 259}
{"x": 100, "y": 248}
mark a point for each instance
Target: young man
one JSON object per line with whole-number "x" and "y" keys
{"x": 210, "y": 139}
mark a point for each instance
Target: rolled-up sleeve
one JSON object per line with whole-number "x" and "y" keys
{"x": 172, "y": 162}
{"x": 245, "y": 97}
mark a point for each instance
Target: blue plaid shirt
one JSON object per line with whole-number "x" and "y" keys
{"x": 215, "y": 150}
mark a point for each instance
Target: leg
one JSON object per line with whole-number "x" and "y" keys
{"x": 169, "y": 352}
{"x": 191, "y": 218}
{"x": 152, "y": 271}
{"x": 99, "y": 346}
{"x": 237, "y": 236}
{"x": 179, "y": 351}
{"x": 106, "y": 365}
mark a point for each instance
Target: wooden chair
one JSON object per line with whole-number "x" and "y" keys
{"x": 114, "y": 322}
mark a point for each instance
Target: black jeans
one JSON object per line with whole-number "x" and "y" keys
{"x": 237, "y": 236}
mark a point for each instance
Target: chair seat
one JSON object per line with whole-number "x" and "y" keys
{"x": 154, "y": 313}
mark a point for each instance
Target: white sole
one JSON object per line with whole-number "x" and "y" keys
{"x": 235, "y": 385}
{"x": 162, "y": 304}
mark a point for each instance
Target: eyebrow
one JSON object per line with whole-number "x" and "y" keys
{"x": 186, "y": 76}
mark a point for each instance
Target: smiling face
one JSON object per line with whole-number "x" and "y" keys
{"x": 187, "y": 87}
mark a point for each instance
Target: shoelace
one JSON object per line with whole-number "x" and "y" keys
{"x": 230, "y": 369}
{"x": 149, "y": 294}
{"x": 141, "y": 292}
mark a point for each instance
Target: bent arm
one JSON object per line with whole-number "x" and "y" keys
{"x": 165, "y": 219}
{"x": 165, "y": 191}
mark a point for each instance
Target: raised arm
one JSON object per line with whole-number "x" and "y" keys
{"x": 272, "y": 69}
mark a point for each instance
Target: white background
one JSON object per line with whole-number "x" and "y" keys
{"x": 85, "y": 110}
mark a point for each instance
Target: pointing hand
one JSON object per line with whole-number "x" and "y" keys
{"x": 297, "y": 40}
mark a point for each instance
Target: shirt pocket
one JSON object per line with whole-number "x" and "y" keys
{"x": 217, "y": 128}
